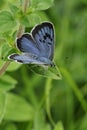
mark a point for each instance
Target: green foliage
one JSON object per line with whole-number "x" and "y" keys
{"x": 41, "y": 4}
{"x": 7, "y": 21}
{"x": 49, "y": 72}
{"x": 7, "y": 83}
{"x": 59, "y": 126}
{"x": 36, "y": 17}
{"x": 13, "y": 66}
{"x": 17, "y": 109}
{"x": 39, "y": 121}
{"x": 2, "y": 105}
{"x": 29, "y": 101}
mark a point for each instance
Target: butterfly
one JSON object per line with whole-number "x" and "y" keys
{"x": 37, "y": 47}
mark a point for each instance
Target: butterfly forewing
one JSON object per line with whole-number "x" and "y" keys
{"x": 26, "y": 44}
{"x": 44, "y": 37}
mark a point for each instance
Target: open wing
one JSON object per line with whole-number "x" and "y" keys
{"x": 26, "y": 44}
{"x": 27, "y": 58}
{"x": 43, "y": 34}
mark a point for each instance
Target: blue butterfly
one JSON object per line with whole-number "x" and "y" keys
{"x": 37, "y": 47}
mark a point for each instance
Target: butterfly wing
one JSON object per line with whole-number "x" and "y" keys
{"x": 44, "y": 37}
{"x": 26, "y": 44}
{"x": 27, "y": 58}
{"x": 37, "y": 48}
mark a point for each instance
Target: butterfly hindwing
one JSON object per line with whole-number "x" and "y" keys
{"x": 24, "y": 58}
{"x": 44, "y": 37}
{"x": 27, "y": 58}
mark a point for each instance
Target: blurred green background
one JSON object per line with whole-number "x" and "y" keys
{"x": 38, "y": 103}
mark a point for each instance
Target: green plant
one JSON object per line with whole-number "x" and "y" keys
{"x": 13, "y": 21}
{"x": 29, "y": 101}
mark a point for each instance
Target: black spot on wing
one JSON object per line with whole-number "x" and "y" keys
{"x": 43, "y": 34}
{"x": 21, "y": 61}
{"x": 48, "y": 39}
{"x": 40, "y": 26}
{"x": 45, "y": 37}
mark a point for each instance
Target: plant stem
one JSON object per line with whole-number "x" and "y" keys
{"x": 19, "y": 33}
{"x": 21, "y": 27}
{"x": 26, "y": 4}
{"x": 4, "y": 67}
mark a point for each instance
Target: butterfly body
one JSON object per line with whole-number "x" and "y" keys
{"x": 37, "y": 47}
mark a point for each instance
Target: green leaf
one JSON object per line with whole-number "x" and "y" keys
{"x": 82, "y": 124}
{"x": 49, "y": 72}
{"x": 10, "y": 126}
{"x": 59, "y": 126}
{"x": 18, "y": 109}
{"x": 7, "y": 21}
{"x": 39, "y": 121}
{"x": 41, "y": 4}
{"x": 4, "y": 51}
{"x": 13, "y": 66}
{"x": 32, "y": 19}
{"x": 8, "y": 79}
{"x": 36, "y": 18}
{"x": 14, "y": 9}
{"x": 2, "y": 105}
{"x": 24, "y": 21}
{"x": 7, "y": 83}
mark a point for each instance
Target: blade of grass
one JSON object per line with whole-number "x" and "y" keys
{"x": 47, "y": 94}
{"x": 74, "y": 87}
